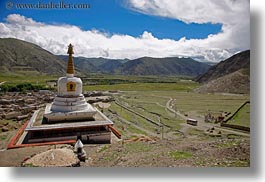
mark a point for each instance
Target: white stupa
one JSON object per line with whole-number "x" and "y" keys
{"x": 70, "y": 103}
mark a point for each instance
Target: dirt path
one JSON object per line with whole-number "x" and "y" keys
{"x": 175, "y": 112}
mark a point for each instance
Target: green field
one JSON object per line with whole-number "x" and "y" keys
{"x": 131, "y": 118}
{"x": 242, "y": 118}
{"x": 105, "y": 82}
{"x": 148, "y": 95}
{"x": 152, "y": 104}
{"x": 144, "y": 86}
{"x": 186, "y": 101}
{"x": 26, "y": 77}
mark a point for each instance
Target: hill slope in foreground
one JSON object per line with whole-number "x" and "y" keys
{"x": 18, "y": 55}
{"x": 229, "y": 76}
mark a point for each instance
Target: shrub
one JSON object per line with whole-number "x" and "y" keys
{"x": 22, "y": 87}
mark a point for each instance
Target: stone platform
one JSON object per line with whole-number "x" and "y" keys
{"x": 69, "y": 108}
{"x": 96, "y": 130}
{"x": 87, "y": 113}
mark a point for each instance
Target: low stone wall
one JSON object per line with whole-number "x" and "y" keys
{"x": 244, "y": 128}
{"x": 16, "y": 105}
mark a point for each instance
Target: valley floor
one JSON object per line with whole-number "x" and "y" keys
{"x": 155, "y": 133}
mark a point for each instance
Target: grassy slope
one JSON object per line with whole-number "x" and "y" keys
{"x": 242, "y": 118}
{"x": 26, "y": 77}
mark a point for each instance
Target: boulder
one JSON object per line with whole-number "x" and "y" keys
{"x": 53, "y": 158}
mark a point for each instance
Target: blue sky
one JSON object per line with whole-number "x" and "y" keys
{"x": 112, "y": 16}
{"x": 208, "y": 30}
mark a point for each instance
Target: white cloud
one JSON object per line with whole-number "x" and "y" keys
{"x": 232, "y": 14}
{"x": 92, "y": 43}
{"x": 18, "y": 19}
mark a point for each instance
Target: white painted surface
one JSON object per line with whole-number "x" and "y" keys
{"x": 64, "y": 104}
{"x": 68, "y": 113}
{"x": 62, "y": 86}
{"x": 79, "y": 144}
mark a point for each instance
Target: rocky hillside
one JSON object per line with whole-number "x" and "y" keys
{"x": 229, "y": 76}
{"x": 236, "y": 82}
{"x": 230, "y": 65}
{"x": 18, "y": 55}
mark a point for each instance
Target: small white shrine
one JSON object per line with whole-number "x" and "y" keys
{"x": 70, "y": 103}
{"x": 69, "y": 117}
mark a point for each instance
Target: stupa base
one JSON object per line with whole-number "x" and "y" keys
{"x": 80, "y": 115}
{"x": 38, "y": 130}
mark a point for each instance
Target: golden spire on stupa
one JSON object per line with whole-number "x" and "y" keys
{"x": 70, "y": 65}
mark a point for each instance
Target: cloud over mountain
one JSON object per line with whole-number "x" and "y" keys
{"x": 234, "y": 37}
{"x": 234, "y": 15}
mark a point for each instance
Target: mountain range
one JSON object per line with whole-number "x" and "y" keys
{"x": 231, "y": 75}
{"x": 18, "y": 55}
{"x": 95, "y": 65}
{"x": 141, "y": 66}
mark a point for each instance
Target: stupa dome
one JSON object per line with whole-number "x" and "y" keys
{"x": 69, "y": 86}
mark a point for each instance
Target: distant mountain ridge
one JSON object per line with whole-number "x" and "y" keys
{"x": 20, "y": 55}
{"x": 95, "y": 65}
{"x": 163, "y": 66}
{"x": 141, "y": 66}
